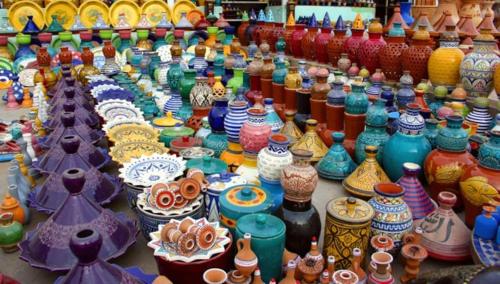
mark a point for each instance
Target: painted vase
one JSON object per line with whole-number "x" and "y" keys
{"x": 235, "y": 119}
{"x": 308, "y": 42}
{"x": 431, "y": 131}
{"x": 408, "y": 144}
{"x": 392, "y": 215}
{"x": 187, "y": 84}
{"x": 248, "y": 169}
{"x": 477, "y": 67}
{"x": 268, "y": 241}
{"x": 347, "y": 225}
{"x": 335, "y": 107}
{"x": 255, "y": 131}
{"x": 352, "y": 44}
{"x": 445, "y": 236}
{"x": 444, "y": 63}
{"x": 344, "y": 63}
{"x": 271, "y": 160}
{"x": 380, "y": 266}
{"x": 356, "y": 105}
{"x": 375, "y": 131}
{"x": 321, "y": 44}
{"x": 445, "y": 165}
{"x": 336, "y": 164}
{"x": 480, "y": 115}
{"x": 217, "y": 183}
{"x": 10, "y": 204}
{"x": 405, "y": 94}
{"x": 217, "y": 115}
{"x": 415, "y": 57}
{"x": 390, "y": 55}
{"x": 415, "y": 195}
{"x": 479, "y": 183}
{"x": 11, "y": 232}
{"x": 272, "y": 117}
{"x": 311, "y": 141}
{"x": 368, "y": 52}
{"x": 296, "y": 44}
{"x": 245, "y": 260}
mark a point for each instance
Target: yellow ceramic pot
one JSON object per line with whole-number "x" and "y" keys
{"x": 496, "y": 77}
{"x": 444, "y": 64}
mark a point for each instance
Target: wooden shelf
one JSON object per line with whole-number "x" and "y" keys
{"x": 244, "y": 2}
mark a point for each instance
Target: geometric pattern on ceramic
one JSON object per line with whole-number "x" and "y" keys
{"x": 120, "y": 111}
{"x": 174, "y": 103}
{"x": 217, "y": 184}
{"x": 489, "y": 153}
{"x": 271, "y": 160}
{"x": 147, "y": 171}
{"x": 476, "y": 70}
{"x": 411, "y": 122}
{"x": 485, "y": 252}
{"x": 415, "y": 195}
{"x": 453, "y": 137}
{"x": 234, "y": 120}
{"x": 116, "y": 122}
{"x": 480, "y": 116}
{"x": 132, "y": 195}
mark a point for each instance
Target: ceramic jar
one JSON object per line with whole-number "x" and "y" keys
{"x": 405, "y": 94}
{"x": 299, "y": 179}
{"x": 444, "y": 63}
{"x": 241, "y": 200}
{"x": 293, "y": 81}
{"x": 344, "y": 63}
{"x": 352, "y": 44}
{"x": 479, "y": 183}
{"x": 356, "y": 105}
{"x": 235, "y": 119}
{"x": 336, "y": 164}
{"x": 10, "y": 204}
{"x": 187, "y": 84}
{"x": 392, "y": 215}
{"x": 445, "y": 236}
{"x": 390, "y": 55}
{"x": 272, "y": 117}
{"x": 375, "y": 131}
{"x": 217, "y": 183}
{"x": 275, "y": 157}
{"x": 11, "y": 232}
{"x": 415, "y": 195}
{"x": 368, "y": 52}
{"x": 334, "y": 111}
{"x": 308, "y": 43}
{"x": 380, "y": 266}
{"x": 336, "y": 43}
{"x": 255, "y": 132}
{"x": 347, "y": 225}
{"x": 480, "y": 115}
{"x": 408, "y": 144}
{"x": 321, "y": 44}
{"x": 445, "y": 165}
{"x": 319, "y": 93}
{"x": 268, "y": 242}
{"x": 415, "y": 57}
{"x": 477, "y": 67}
{"x": 297, "y": 36}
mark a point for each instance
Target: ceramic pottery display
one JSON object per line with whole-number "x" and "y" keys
{"x": 76, "y": 213}
{"x": 217, "y": 183}
{"x": 444, "y": 235}
{"x": 445, "y": 165}
{"x": 390, "y": 54}
{"x": 271, "y": 160}
{"x": 312, "y": 264}
{"x": 431, "y": 131}
{"x": 479, "y": 183}
{"x": 241, "y": 200}
{"x": 10, "y": 204}
{"x": 129, "y": 129}
{"x": 362, "y": 180}
{"x": 351, "y": 45}
{"x": 408, "y": 144}
{"x": 90, "y": 268}
{"x": 11, "y": 232}
{"x": 148, "y": 170}
{"x": 480, "y": 115}
{"x": 380, "y": 266}
{"x": 268, "y": 241}
{"x": 392, "y": 215}
{"x": 336, "y": 164}
{"x": 290, "y": 129}
{"x": 347, "y": 225}
{"x": 208, "y": 165}
{"x": 477, "y": 67}
{"x": 311, "y": 141}
{"x": 369, "y": 49}
{"x": 301, "y": 218}
{"x": 70, "y": 127}
{"x": 415, "y": 195}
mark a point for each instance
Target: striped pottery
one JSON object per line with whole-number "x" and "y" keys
{"x": 415, "y": 195}
{"x": 480, "y": 115}
{"x": 234, "y": 120}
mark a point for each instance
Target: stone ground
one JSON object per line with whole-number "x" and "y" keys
{"x": 139, "y": 254}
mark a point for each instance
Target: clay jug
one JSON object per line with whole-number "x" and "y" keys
{"x": 290, "y": 274}
{"x": 357, "y": 261}
{"x": 245, "y": 260}
{"x": 257, "y": 279}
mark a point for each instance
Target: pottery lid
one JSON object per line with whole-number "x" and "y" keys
{"x": 261, "y": 226}
{"x": 246, "y": 199}
{"x": 350, "y": 210}
{"x": 209, "y": 165}
{"x": 196, "y": 152}
{"x": 223, "y": 181}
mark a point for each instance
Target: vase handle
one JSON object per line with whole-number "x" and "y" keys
{"x": 239, "y": 244}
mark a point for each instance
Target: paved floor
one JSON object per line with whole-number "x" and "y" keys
{"x": 139, "y": 254}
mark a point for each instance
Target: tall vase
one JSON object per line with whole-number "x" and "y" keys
{"x": 297, "y": 35}
{"x": 271, "y": 160}
{"x": 368, "y": 52}
{"x": 390, "y": 54}
{"x": 255, "y": 132}
{"x": 352, "y": 44}
{"x": 336, "y": 43}
{"x": 480, "y": 115}
{"x": 375, "y": 131}
{"x": 356, "y": 105}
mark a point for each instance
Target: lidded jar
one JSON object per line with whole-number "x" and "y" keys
{"x": 322, "y": 39}
{"x": 308, "y": 44}
{"x": 415, "y": 57}
{"x": 369, "y": 49}
{"x": 390, "y": 54}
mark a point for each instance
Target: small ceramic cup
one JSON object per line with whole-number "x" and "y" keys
{"x": 215, "y": 276}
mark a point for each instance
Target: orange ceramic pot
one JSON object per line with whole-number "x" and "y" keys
{"x": 354, "y": 124}
{"x": 10, "y": 204}
{"x": 336, "y": 46}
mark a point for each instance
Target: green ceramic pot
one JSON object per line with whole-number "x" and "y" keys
{"x": 357, "y": 101}
{"x": 453, "y": 137}
{"x": 188, "y": 83}
{"x": 208, "y": 165}
{"x": 268, "y": 241}
{"x": 170, "y": 133}
{"x": 11, "y": 232}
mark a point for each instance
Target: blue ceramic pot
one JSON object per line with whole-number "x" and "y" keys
{"x": 217, "y": 115}
{"x": 272, "y": 118}
{"x": 337, "y": 164}
{"x": 405, "y": 95}
{"x": 431, "y": 131}
{"x": 485, "y": 226}
{"x": 132, "y": 194}
{"x": 489, "y": 153}
{"x": 279, "y": 72}
{"x": 375, "y": 132}
{"x": 217, "y": 184}
{"x": 216, "y": 141}
{"x": 234, "y": 120}
{"x": 357, "y": 101}
{"x": 276, "y": 191}
{"x": 453, "y": 137}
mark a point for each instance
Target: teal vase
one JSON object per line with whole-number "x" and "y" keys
{"x": 216, "y": 141}
{"x": 357, "y": 101}
{"x": 453, "y": 137}
{"x": 272, "y": 118}
{"x": 279, "y": 72}
{"x": 175, "y": 76}
{"x": 219, "y": 63}
{"x": 489, "y": 153}
{"x": 337, "y": 164}
{"x": 237, "y": 80}
{"x": 408, "y": 144}
{"x": 431, "y": 131}
{"x": 187, "y": 83}
{"x": 375, "y": 133}
{"x": 268, "y": 242}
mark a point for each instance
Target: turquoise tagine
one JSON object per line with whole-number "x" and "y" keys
{"x": 337, "y": 164}
{"x": 375, "y": 133}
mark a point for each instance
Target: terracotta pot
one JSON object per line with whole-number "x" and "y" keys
{"x": 336, "y": 46}
{"x": 390, "y": 58}
{"x": 354, "y": 124}
{"x": 65, "y": 56}
{"x": 308, "y": 48}
{"x": 352, "y": 44}
{"x": 415, "y": 57}
{"x": 321, "y": 45}
{"x": 245, "y": 260}
{"x": 369, "y": 49}
{"x": 296, "y": 46}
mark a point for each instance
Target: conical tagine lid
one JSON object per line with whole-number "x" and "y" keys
{"x": 57, "y": 104}
{"x": 82, "y": 116}
{"x": 48, "y": 246}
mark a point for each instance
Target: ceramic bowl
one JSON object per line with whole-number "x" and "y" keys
{"x": 146, "y": 171}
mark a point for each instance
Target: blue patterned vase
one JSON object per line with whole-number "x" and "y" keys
{"x": 234, "y": 120}
{"x": 357, "y": 101}
{"x": 453, "y": 137}
{"x": 480, "y": 115}
{"x": 272, "y": 117}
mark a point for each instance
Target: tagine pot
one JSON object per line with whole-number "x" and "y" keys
{"x": 415, "y": 195}
{"x": 69, "y": 127}
{"x": 368, "y": 51}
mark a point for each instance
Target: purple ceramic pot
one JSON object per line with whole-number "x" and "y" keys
{"x": 48, "y": 246}
{"x": 98, "y": 187}
{"x": 86, "y": 246}
{"x": 57, "y": 91}
{"x": 68, "y": 127}
{"x": 71, "y": 152}
{"x": 57, "y": 104}
{"x": 82, "y": 115}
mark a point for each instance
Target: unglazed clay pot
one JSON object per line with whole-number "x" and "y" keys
{"x": 390, "y": 56}
{"x": 245, "y": 260}
{"x": 416, "y": 56}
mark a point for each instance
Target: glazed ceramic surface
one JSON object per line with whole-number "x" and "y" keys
{"x": 152, "y": 169}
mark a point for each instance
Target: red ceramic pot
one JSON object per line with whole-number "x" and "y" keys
{"x": 415, "y": 59}
{"x": 334, "y": 122}
{"x": 192, "y": 272}
{"x": 297, "y": 35}
{"x": 256, "y": 32}
{"x": 264, "y": 33}
{"x": 354, "y": 124}
{"x": 255, "y": 89}
{"x": 390, "y": 58}
{"x": 184, "y": 142}
{"x": 368, "y": 51}
{"x": 195, "y": 121}
{"x": 278, "y": 91}
{"x": 290, "y": 99}
{"x": 108, "y": 50}
{"x": 275, "y": 33}
{"x": 336, "y": 46}
{"x": 308, "y": 40}
{"x": 352, "y": 44}
{"x": 287, "y": 34}
{"x": 267, "y": 87}
{"x": 321, "y": 44}
{"x": 66, "y": 57}
{"x": 255, "y": 132}
{"x": 240, "y": 32}
{"x": 43, "y": 57}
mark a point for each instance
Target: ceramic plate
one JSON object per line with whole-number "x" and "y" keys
{"x": 125, "y": 132}
{"x": 27, "y": 77}
{"x": 119, "y": 111}
{"x": 64, "y": 10}
{"x": 95, "y": 92}
{"x": 90, "y": 10}
{"x": 126, "y": 150}
{"x": 19, "y": 12}
{"x": 182, "y": 6}
{"x": 194, "y": 16}
{"x": 129, "y": 8}
{"x": 169, "y": 250}
{"x": 116, "y": 122}
{"x": 101, "y": 105}
{"x": 153, "y": 10}
{"x": 146, "y": 171}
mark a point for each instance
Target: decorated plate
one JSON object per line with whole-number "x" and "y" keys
{"x": 194, "y": 16}
{"x": 146, "y": 171}
{"x": 126, "y": 132}
{"x": 126, "y": 150}
{"x": 6, "y": 64}
{"x": 170, "y": 252}
{"x": 102, "y": 105}
{"x": 182, "y": 6}
{"x": 64, "y": 10}
{"x": 19, "y": 12}
{"x": 120, "y": 111}
{"x": 90, "y": 10}
{"x": 131, "y": 10}
{"x": 21, "y": 63}
{"x": 116, "y": 122}
{"x": 27, "y": 77}
{"x": 153, "y": 10}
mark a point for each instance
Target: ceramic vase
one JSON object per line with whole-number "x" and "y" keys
{"x": 336, "y": 164}
{"x": 245, "y": 260}
{"x": 255, "y": 132}
{"x": 296, "y": 43}
{"x": 415, "y": 57}
{"x": 390, "y": 55}
{"x": 271, "y": 160}
{"x": 368, "y": 52}
{"x": 352, "y": 44}
{"x": 11, "y": 232}
{"x": 375, "y": 131}
{"x": 480, "y": 115}
{"x": 336, "y": 43}
{"x": 381, "y": 268}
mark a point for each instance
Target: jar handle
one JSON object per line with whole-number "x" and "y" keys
{"x": 240, "y": 244}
